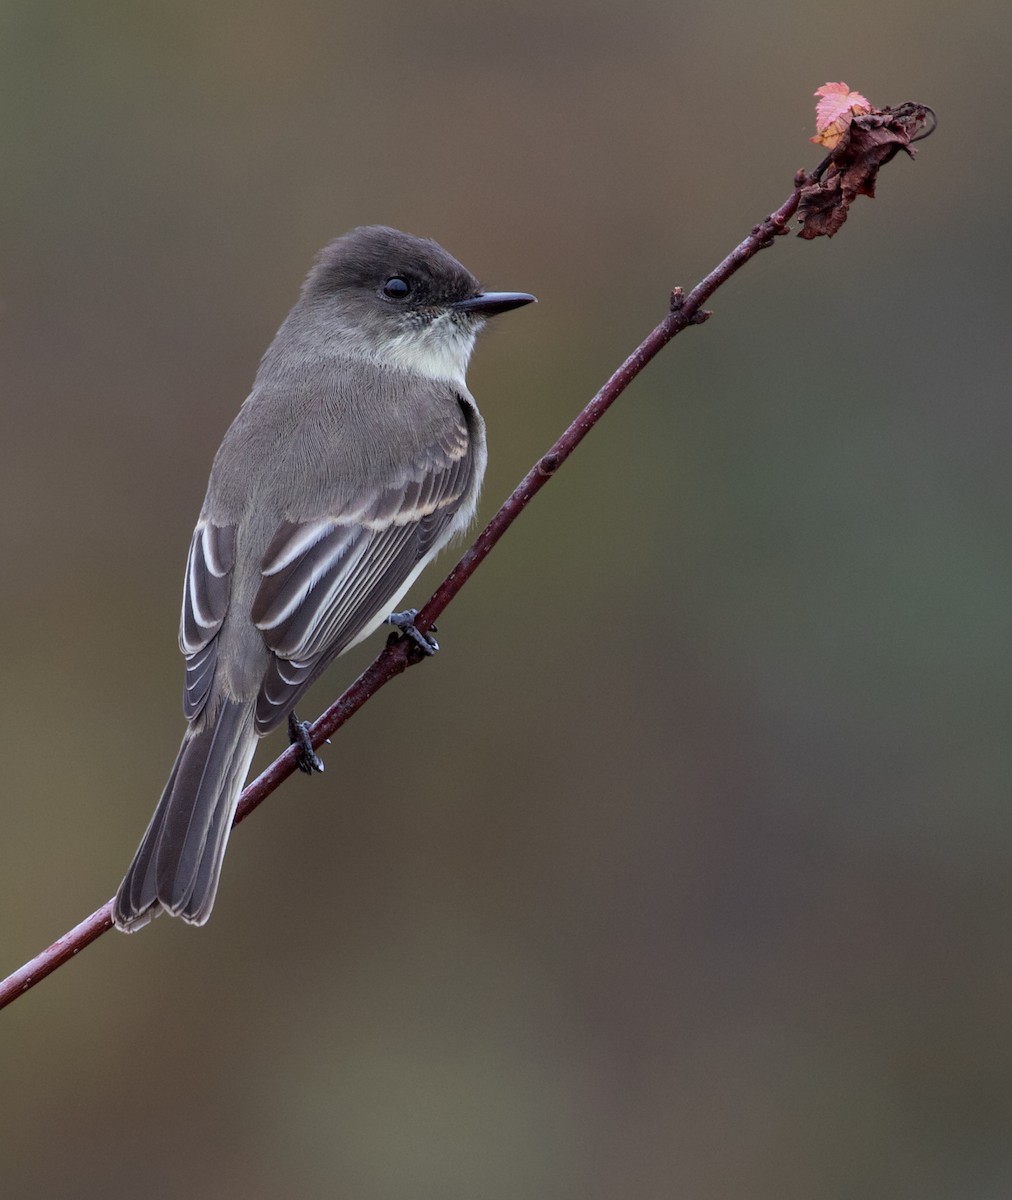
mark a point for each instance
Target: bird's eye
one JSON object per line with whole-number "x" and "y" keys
{"x": 396, "y": 288}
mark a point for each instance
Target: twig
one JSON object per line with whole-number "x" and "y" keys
{"x": 399, "y": 653}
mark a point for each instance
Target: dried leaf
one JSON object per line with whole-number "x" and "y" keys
{"x": 870, "y": 140}
{"x": 837, "y": 107}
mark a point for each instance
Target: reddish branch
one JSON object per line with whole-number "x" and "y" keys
{"x": 399, "y": 654}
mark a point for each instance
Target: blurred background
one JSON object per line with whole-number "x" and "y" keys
{"x": 684, "y": 869}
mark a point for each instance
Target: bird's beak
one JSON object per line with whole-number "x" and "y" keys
{"x": 487, "y": 304}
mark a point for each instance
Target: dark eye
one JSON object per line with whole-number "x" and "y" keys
{"x": 396, "y": 288}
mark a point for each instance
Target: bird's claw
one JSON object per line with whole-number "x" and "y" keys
{"x": 308, "y": 760}
{"x": 405, "y": 622}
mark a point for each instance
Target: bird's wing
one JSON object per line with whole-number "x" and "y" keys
{"x": 206, "y": 590}
{"x": 325, "y": 582}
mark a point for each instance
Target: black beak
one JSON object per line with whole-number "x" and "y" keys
{"x": 488, "y": 304}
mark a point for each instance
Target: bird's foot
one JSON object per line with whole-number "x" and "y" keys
{"x": 298, "y": 734}
{"x": 405, "y": 622}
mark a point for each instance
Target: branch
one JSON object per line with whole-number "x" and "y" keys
{"x": 400, "y": 653}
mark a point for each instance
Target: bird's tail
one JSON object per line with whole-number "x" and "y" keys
{"x": 178, "y": 862}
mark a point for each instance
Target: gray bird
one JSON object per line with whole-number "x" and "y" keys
{"x": 357, "y": 456}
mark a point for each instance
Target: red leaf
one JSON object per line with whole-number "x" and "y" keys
{"x": 837, "y": 107}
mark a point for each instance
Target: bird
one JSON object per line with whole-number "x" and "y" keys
{"x": 358, "y": 454}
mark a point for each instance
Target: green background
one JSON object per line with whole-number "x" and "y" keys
{"x": 684, "y": 869}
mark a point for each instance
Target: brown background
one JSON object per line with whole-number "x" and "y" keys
{"x": 684, "y": 869}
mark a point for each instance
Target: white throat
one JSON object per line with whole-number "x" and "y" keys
{"x": 440, "y": 349}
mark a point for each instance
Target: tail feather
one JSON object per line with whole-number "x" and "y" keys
{"x": 178, "y": 863}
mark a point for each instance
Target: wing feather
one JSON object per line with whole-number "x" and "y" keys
{"x": 324, "y": 581}
{"x": 206, "y": 590}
